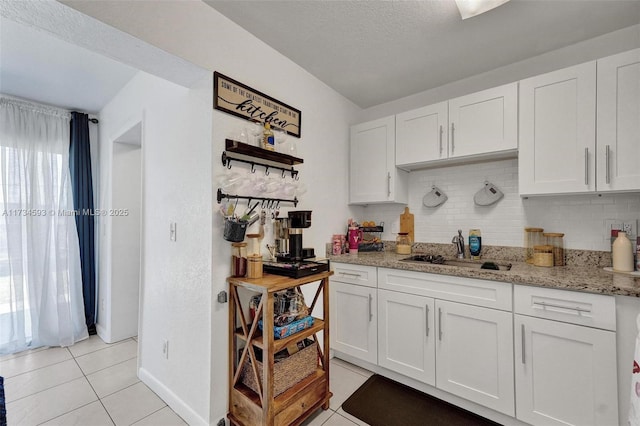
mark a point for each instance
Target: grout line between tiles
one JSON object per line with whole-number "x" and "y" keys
{"x": 111, "y": 345}
{"x": 94, "y": 391}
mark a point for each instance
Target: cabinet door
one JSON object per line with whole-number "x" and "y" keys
{"x": 474, "y": 354}
{"x": 406, "y": 335}
{"x": 565, "y": 373}
{"x": 373, "y": 174}
{"x": 619, "y": 122}
{"x": 421, "y": 135}
{"x": 484, "y": 122}
{"x": 354, "y": 320}
{"x": 557, "y": 131}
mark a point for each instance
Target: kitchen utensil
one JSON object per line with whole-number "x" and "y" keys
{"x": 488, "y": 195}
{"x": 406, "y": 223}
{"x": 434, "y": 198}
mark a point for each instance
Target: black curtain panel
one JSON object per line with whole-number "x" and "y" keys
{"x": 82, "y": 187}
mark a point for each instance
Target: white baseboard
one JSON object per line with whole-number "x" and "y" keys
{"x": 102, "y": 333}
{"x": 172, "y": 400}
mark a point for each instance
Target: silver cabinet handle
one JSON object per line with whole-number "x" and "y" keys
{"x": 552, "y": 305}
{"x": 427, "y": 321}
{"x": 389, "y": 184}
{"x": 439, "y": 323}
{"x": 586, "y": 166}
{"x": 351, "y": 274}
{"x": 453, "y": 146}
{"x": 370, "y": 311}
{"x": 441, "y": 131}
{"x": 522, "y": 331}
{"x": 606, "y": 159}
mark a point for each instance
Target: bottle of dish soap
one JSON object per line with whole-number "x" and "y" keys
{"x": 475, "y": 243}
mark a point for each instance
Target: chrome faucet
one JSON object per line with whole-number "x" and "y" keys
{"x": 458, "y": 240}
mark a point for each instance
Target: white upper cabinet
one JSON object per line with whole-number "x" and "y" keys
{"x": 422, "y": 135}
{"x": 618, "y": 128}
{"x": 373, "y": 176}
{"x": 484, "y": 122}
{"x": 557, "y": 131}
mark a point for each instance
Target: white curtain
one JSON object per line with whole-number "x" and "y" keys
{"x": 40, "y": 279}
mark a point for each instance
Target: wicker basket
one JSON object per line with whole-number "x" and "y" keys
{"x": 287, "y": 372}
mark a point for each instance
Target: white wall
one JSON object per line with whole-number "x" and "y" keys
{"x": 204, "y": 37}
{"x": 176, "y": 289}
{"x": 126, "y": 176}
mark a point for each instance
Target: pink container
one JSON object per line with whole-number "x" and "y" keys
{"x": 355, "y": 236}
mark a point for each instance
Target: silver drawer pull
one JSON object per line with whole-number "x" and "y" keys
{"x": 551, "y": 305}
{"x": 439, "y": 323}
{"x": 370, "y": 310}
{"x": 351, "y": 274}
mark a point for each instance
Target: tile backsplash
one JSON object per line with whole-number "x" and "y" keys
{"x": 580, "y": 217}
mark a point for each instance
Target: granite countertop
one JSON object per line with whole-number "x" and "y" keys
{"x": 592, "y": 279}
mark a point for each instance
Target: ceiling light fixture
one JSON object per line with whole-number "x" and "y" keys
{"x": 471, "y": 8}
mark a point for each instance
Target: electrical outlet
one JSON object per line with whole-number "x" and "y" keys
{"x": 610, "y": 224}
{"x": 630, "y": 227}
{"x": 165, "y": 348}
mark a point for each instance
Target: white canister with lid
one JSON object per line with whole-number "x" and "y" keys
{"x": 622, "y": 253}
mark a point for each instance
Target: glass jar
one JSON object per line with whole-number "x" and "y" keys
{"x": 532, "y": 237}
{"x": 238, "y": 259}
{"x": 403, "y": 243}
{"x": 543, "y": 255}
{"x": 554, "y": 239}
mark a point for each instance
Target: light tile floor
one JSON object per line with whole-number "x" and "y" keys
{"x": 90, "y": 383}
{"x": 93, "y": 384}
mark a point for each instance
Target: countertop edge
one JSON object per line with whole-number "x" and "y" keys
{"x": 585, "y": 279}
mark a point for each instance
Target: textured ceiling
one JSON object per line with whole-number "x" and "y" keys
{"x": 378, "y": 51}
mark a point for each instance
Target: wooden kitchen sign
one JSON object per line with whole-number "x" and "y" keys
{"x": 242, "y": 101}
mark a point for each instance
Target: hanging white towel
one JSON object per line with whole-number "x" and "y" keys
{"x": 634, "y": 409}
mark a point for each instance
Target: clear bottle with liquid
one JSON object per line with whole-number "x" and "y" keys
{"x": 475, "y": 243}
{"x": 268, "y": 139}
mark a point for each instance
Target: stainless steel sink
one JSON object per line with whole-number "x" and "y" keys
{"x": 472, "y": 264}
{"x": 479, "y": 265}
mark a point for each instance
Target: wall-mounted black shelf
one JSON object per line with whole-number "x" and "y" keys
{"x": 249, "y": 154}
{"x": 271, "y": 202}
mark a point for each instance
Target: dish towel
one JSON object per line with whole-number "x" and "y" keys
{"x": 634, "y": 409}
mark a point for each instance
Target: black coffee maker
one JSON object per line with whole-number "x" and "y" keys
{"x": 298, "y": 220}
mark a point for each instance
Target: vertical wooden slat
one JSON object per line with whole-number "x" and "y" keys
{"x": 268, "y": 360}
{"x": 325, "y": 336}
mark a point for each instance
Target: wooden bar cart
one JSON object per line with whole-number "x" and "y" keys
{"x": 261, "y": 400}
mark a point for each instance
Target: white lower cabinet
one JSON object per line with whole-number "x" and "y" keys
{"x": 474, "y": 354}
{"x": 565, "y": 357}
{"x": 544, "y": 356}
{"x": 406, "y": 335}
{"x": 353, "y": 327}
{"x": 565, "y": 374}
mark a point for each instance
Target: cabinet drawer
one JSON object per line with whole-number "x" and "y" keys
{"x": 308, "y": 398}
{"x": 490, "y": 294}
{"x": 355, "y": 274}
{"x": 592, "y": 310}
